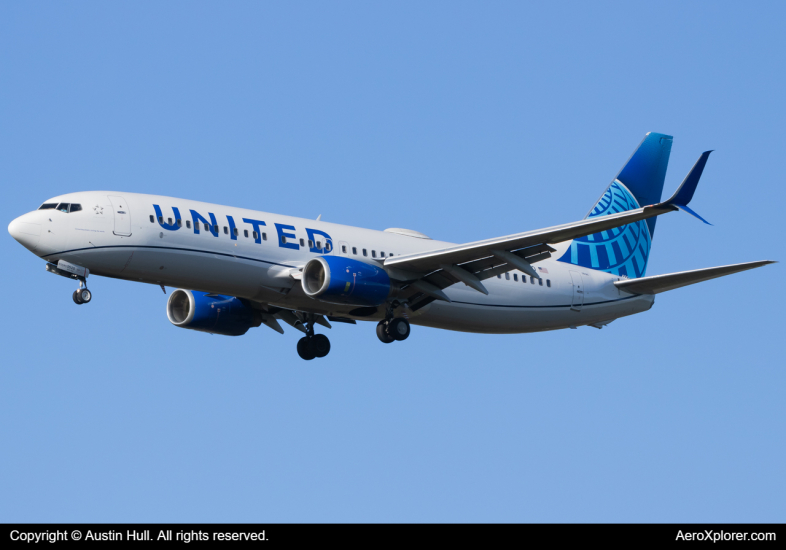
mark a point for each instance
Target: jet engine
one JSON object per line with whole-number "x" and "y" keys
{"x": 211, "y": 313}
{"x": 339, "y": 280}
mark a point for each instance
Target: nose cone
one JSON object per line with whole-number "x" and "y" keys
{"x": 26, "y": 230}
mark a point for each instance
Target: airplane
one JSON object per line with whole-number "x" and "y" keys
{"x": 235, "y": 269}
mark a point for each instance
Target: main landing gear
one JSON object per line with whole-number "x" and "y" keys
{"x": 390, "y": 330}
{"x": 312, "y": 345}
{"x": 82, "y": 295}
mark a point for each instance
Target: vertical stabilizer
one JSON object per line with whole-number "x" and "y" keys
{"x": 625, "y": 250}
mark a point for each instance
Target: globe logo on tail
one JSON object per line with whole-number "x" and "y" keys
{"x": 620, "y": 251}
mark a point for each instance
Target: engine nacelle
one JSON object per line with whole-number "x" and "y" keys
{"x": 211, "y": 313}
{"x": 339, "y": 280}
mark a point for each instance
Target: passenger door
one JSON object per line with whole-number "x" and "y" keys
{"x": 122, "y": 216}
{"x": 578, "y": 291}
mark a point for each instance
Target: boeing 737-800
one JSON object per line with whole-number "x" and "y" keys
{"x": 235, "y": 269}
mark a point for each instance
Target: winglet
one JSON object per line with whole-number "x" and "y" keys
{"x": 684, "y": 193}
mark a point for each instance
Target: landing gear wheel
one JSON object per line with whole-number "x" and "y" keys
{"x": 320, "y": 345}
{"x": 77, "y": 299}
{"x": 304, "y": 349}
{"x": 85, "y": 295}
{"x": 382, "y": 333}
{"x": 398, "y": 329}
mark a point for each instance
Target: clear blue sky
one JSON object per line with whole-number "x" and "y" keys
{"x": 460, "y": 120}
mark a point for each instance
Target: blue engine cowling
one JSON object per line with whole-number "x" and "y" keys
{"x": 211, "y": 313}
{"x": 339, "y": 280}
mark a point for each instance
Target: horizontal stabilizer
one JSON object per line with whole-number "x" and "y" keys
{"x": 661, "y": 283}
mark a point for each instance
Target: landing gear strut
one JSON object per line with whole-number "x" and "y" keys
{"x": 82, "y": 295}
{"x": 312, "y": 345}
{"x": 392, "y": 328}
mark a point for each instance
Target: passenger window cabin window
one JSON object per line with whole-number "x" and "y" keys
{"x": 169, "y": 221}
{"x": 283, "y": 239}
{"x": 152, "y": 219}
{"x": 235, "y": 231}
{"x": 264, "y": 236}
{"x": 245, "y": 233}
{"x": 540, "y": 282}
{"x": 302, "y": 242}
{"x": 364, "y": 252}
{"x": 319, "y": 245}
{"x": 179, "y": 222}
{"x": 188, "y": 224}
{"x": 207, "y": 227}
{"x": 328, "y": 247}
{"x": 532, "y": 280}
{"x": 48, "y": 206}
{"x": 373, "y": 253}
{"x": 354, "y": 250}
{"x": 226, "y": 230}
{"x": 507, "y": 276}
{"x": 548, "y": 283}
{"x": 344, "y": 249}
{"x": 161, "y": 219}
{"x": 75, "y": 208}
{"x": 382, "y": 254}
{"x": 499, "y": 276}
{"x": 255, "y": 235}
{"x": 515, "y": 277}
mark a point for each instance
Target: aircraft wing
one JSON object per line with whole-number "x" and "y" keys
{"x": 425, "y": 262}
{"x": 427, "y": 273}
{"x": 661, "y": 283}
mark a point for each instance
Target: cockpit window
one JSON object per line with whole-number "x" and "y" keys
{"x": 63, "y": 207}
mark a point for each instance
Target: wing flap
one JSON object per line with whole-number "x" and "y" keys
{"x": 482, "y": 269}
{"x": 661, "y": 283}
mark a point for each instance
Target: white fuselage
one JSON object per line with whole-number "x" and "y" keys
{"x": 115, "y": 237}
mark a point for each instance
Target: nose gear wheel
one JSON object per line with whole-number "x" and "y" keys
{"x": 82, "y": 296}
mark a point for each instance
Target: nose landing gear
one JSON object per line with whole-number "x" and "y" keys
{"x": 71, "y": 271}
{"x": 82, "y": 295}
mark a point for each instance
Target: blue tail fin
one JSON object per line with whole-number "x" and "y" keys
{"x": 625, "y": 250}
